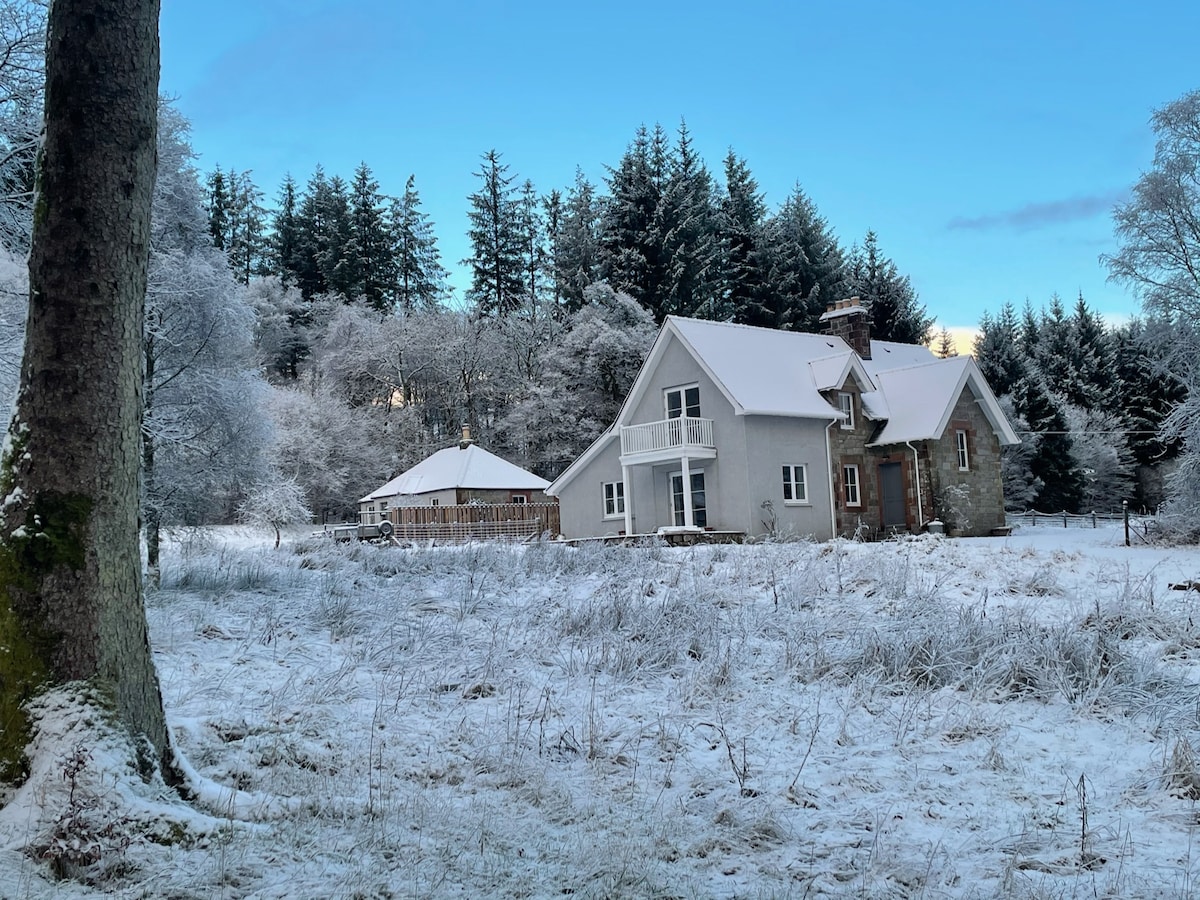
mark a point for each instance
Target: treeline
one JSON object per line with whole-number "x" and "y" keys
{"x": 663, "y": 230}
{"x": 1089, "y": 402}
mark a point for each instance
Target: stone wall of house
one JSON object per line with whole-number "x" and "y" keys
{"x": 970, "y": 502}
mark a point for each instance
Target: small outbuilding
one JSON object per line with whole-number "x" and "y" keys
{"x": 457, "y": 476}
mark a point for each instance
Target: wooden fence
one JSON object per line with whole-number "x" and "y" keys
{"x": 474, "y": 522}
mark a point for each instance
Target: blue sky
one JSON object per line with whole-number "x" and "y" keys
{"x": 985, "y": 143}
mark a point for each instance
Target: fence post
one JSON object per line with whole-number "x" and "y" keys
{"x": 1064, "y": 518}
{"x": 1125, "y": 511}
{"x": 1093, "y": 518}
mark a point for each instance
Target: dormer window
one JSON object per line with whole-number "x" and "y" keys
{"x": 846, "y": 405}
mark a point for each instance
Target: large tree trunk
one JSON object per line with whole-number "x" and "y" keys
{"x": 70, "y": 567}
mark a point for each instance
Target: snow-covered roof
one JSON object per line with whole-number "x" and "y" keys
{"x": 766, "y": 371}
{"x": 783, "y": 373}
{"x": 458, "y": 467}
{"x": 920, "y": 399}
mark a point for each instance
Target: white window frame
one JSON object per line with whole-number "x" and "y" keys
{"x": 964, "y": 455}
{"x": 791, "y": 483}
{"x": 519, "y": 499}
{"x": 612, "y": 494}
{"x": 846, "y": 405}
{"x": 684, "y": 410}
{"x": 851, "y": 486}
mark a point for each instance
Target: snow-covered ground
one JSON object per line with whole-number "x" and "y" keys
{"x": 1005, "y": 717}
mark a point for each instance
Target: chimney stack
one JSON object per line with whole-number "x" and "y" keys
{"x": 848, "y": 319}
{"x": 466, "y": 437}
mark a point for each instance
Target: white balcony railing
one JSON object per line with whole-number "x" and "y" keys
{"x": 669, "y": 434}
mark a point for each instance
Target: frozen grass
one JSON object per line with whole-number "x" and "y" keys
{"x": 921, "y": 718}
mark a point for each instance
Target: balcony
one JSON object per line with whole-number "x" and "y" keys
{"x": 668, "y": 439}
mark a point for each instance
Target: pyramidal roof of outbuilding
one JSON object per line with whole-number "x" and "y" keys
{"x": 469, "y": 467}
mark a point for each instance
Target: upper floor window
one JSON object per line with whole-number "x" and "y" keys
{"x": 683, "y": 401}
{"x": 846, "y": 405}
{"x": 795, "y": 484}
{"x": 960, "y": 441}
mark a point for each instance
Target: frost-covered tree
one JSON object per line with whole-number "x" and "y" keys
{"x": 22, "y": 54}
{"x": 203, "y": 431}
{"x": 1158, "y": 231}
{"x": 1053, "y": 462}
{"x": 275, "y": 505}
{"x": 281, "y": 326}
{"x": 336, "y": 452}
{"x": 585, "y": 376}
{"x": 14, "y": 297}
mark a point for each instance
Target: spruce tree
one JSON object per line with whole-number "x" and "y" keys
{"x": 686, "y": 229}
{"x": 419, "y": 277}
{"x": 531, "y": 233}
{"x": 1052, "y": 463}
{"x": 998, "y": 352}
{"x": 631, "y": 257}
{"x": 804, "y": 267}
{"x": 896, "y": 315}
{"x": 577, "y": 245}
{"x": 284, "y": 241}
{"x": 369, "y": 250}
{"x": 742, "y": 238}
{"x": 496, "y": 261}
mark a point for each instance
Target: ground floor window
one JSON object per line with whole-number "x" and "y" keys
{"x": 699, "y": 504}
{"x": 519, "y": 498}
{"x": 850, "y": 486}
{"x": 614, "y": 499}
{"x": 795, "y": 484}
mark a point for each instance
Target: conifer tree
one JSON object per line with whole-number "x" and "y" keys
{"x": 631, "y": 258}
{"x": 1053, "y": 462}
{"x": 284, "y": 241}
{"x": 497, "y": 265}
{"x": 368, "y": 253}
{"x": 998, "y": 352}
{"x": 577, "y": 246}
{"x": 419, "y": 277}
{"x": 531, "y": 233}
{"x": 805, "y": 268}
{"x": 944, "y": 345}
{"x": 896, "y": 315}
{"x": 246, "y": 243}
{"x": 686, "y": 229}
{"x": 742, "y": 237}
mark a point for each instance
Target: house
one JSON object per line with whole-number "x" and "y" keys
{"x": 458, "y": 475}
{"x": 751, "y": 430}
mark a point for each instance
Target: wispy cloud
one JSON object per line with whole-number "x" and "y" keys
{"x": 1039, "y": 215}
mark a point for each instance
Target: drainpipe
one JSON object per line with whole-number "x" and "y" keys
{"x": 829, "y": 456}
{"x": 917, "y": 466}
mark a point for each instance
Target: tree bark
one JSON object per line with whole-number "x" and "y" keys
{"x": 71, "y": 606}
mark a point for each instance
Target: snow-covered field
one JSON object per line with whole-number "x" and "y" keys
{"x": 1006, "y": 717}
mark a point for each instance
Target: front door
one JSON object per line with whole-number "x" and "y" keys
{"x": 699, "y": 510}
{"x": 891, "y": 482}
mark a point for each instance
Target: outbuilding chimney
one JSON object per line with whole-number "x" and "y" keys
{"x": 849, "y": 320}
{"x": 466, "y": 437}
